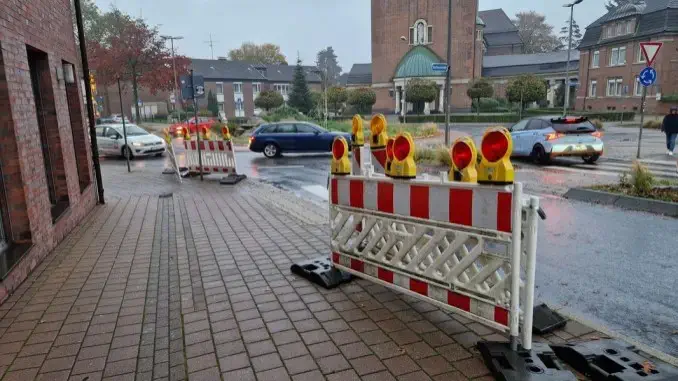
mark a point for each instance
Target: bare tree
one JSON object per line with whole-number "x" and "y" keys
{"x": 537, "y": 35}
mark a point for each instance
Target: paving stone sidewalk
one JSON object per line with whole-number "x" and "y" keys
{"x": 196, "y": 286}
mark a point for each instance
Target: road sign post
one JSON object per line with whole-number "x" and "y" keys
{"x": 647, "y": 77}
{"x": 445, "y": 68}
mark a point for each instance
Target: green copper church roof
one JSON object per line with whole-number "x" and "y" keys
{"x": 417, "y": 63}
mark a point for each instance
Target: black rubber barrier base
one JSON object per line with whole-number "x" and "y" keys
{"x": 320, "y": 271}
{"x": 536, "y": 365}
{"x": 232, "y": 179}
{"x": 613, "y": 360}
{"x": 546, "y": 320}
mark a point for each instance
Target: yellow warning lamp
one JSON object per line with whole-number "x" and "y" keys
{"x": 225, "y": 133}
{"x": 378, "y": 129}
{"x": 187, "y": 133}
{"x": 389, "y": 156}
{"x": 340, "y": 163}
{"x": 403, "y": 166}
{"x": 464, "y": 158}
{"x": 495, "y": 165}
{"x": 358, "y": 136}
{"x": 168, "y": 136}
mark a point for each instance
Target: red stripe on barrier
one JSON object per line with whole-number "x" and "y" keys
{"x": 357, "y": 265}
{"x": 419, "y": 201}
{"x": 504, "y": 206}
{"x": 419, "y": 287}
{"x": 356, "y": 154}
{"x": 211, "y": 145}
{"x": 461, "y": 206}
{"x": 193, "y": 146}
{"x": 380, "y": 155}
{"x": 216, "y": 169}
{"x": 501, "y": 316}
{"x": 357, "y": 190}
{"x": 202, "y": 145}
{"x": 220, "y": 144}
{"x": 185, "y": 144}
{"x": 460, "y": 301}
{"x": 385, "y": 275}
{"x": 385, "y": 197}
{"x": 230, "y": 146}
{"x": 335, "y": 192}
{"x": 335, "y": 257}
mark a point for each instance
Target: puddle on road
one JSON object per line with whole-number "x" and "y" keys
{"x": 316, "y": 190}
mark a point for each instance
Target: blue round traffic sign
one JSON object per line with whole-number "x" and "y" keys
{"x": 647, "y": 76}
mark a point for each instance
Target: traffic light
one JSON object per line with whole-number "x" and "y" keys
{"x": 340, "y": 163}
{"x": 389, "y": 156}
{"x": 495, "y": 165}
{"x": 378, "y": 129}
{"x": 358, "y": 136}
{"x": 464, "y": 158}
{"x": 403, "y": 166}
{"x": 225, "y": 133}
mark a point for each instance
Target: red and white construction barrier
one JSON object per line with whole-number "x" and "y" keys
{"x": 217, "y": 156}
{"x": 456, "y": 245}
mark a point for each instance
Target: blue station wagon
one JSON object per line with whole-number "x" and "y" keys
{"x": 273, "y": 139}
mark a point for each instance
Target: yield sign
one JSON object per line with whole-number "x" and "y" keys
{"x": 650, "y": 50}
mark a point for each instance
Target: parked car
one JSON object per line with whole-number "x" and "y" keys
{"x": 545, "y": 137}
{"x": 273, "y": 139}
{"x": 139, "y": 141}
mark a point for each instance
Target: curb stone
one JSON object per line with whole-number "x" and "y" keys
{"x": 622, "y": 201}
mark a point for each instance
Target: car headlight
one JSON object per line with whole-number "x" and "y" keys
{"x": 137, "y": 144}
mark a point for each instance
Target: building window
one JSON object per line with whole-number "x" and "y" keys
{"x": 479, "y": 35}
{"x": 256, "y": 88}
{"x": 77, "y": 126}
{"x": 237, "y": 88}
{"x": 220, "y": 88}
{"x": 640, "y": 57}
{"x": 282, "y": 88}
{"x": 593, "y": 89}
{"x": 421, "y": 33}
{"x": 630, "y": 26}
{"x": 618, "y": 56}
{"x": 48, "y": 126}
{"x": 614, "y": 87}
{"x": 595, "y": 61}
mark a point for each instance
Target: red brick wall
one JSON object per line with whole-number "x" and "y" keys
{"x": 667, "y": 69}
{"x": 393, "y": 18}
{"x": 47, "y": 26}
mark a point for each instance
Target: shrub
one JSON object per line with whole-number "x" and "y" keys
{"x": 598, "y": 124}
{"x": 652, "y": 124}
{"x": 420, "y": 91}
{"x": 480, "y": 88}
{"x": 641, "y": 179}
{"x": 362, "y": 99}
{"x": 269, "y": 99}
{"x": 468, "y": 118}
{"x": 429, "y": 129}
{"x": 486, "y": 105}
{"x": 438, "y": 155}
{"x": 284, "y": 112}
{"x": 205, "y": 113}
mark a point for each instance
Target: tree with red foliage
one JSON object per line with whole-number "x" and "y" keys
{"x": 131, "y": 50}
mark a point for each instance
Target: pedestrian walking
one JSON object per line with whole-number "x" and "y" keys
{"x": 670, "y": 128}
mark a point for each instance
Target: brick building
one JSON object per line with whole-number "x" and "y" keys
{"x": 611, "y": 58}
{"x": 46, "y": 179}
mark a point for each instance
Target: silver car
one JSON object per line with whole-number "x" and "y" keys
{"x": 140, "y": 142}
{"x": 545, "y": 137}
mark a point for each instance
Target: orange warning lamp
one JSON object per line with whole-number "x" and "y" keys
{"x": 168, "y": 137}
{"x": 358, "y": 135}
{"x": 464, "y": 158}
{"x": 340, "y": 163}
{"x": 403, "y": 166}
{"x": 389, "y": 156}
{"x": 225, "y": 133}
{"x": 378, "y": 129}
{"x": 495, "y": 165}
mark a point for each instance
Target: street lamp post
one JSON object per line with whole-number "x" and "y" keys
{"x": 174, "y": 66}
{"x": 404, "y": 100}
{"x": 566, "y": 103}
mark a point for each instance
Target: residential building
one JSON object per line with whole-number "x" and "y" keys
{"x": 611, "y": 57}
{"x": 549, "y": 66}
{"x": 46, "y": 179}
{"x": 359, "y": 76}
{"x": 237, "y": 83}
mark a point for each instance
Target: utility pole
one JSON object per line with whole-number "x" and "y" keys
{"x": 90, "y": 105}
{"x": 174, "y": 66}
{"x": 197, "y": 126}
{"x": 449, "y": 74}
{"x": 126, "y": 151}
{"x": 211, "y": 45}
{"x": 566, "y": 103}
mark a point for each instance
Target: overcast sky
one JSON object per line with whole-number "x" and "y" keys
{"x": 300, "y": 26}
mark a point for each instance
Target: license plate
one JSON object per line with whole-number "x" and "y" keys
{"x": 580, "y": 147}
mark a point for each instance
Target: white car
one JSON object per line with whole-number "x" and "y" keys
{"x": 140, "y": 142}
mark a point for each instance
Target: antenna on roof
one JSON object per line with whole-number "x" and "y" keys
{"x": 211, "y": 45}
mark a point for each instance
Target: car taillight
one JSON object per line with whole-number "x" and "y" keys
{"x": 554, "y": 136}
{"x": 597, "y": 134}
{"x": 251, "y": 140}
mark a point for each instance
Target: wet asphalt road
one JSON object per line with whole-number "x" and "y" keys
{"x": 610, "y": 266}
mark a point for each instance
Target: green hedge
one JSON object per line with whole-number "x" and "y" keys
{"x": 513, "y": 117}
